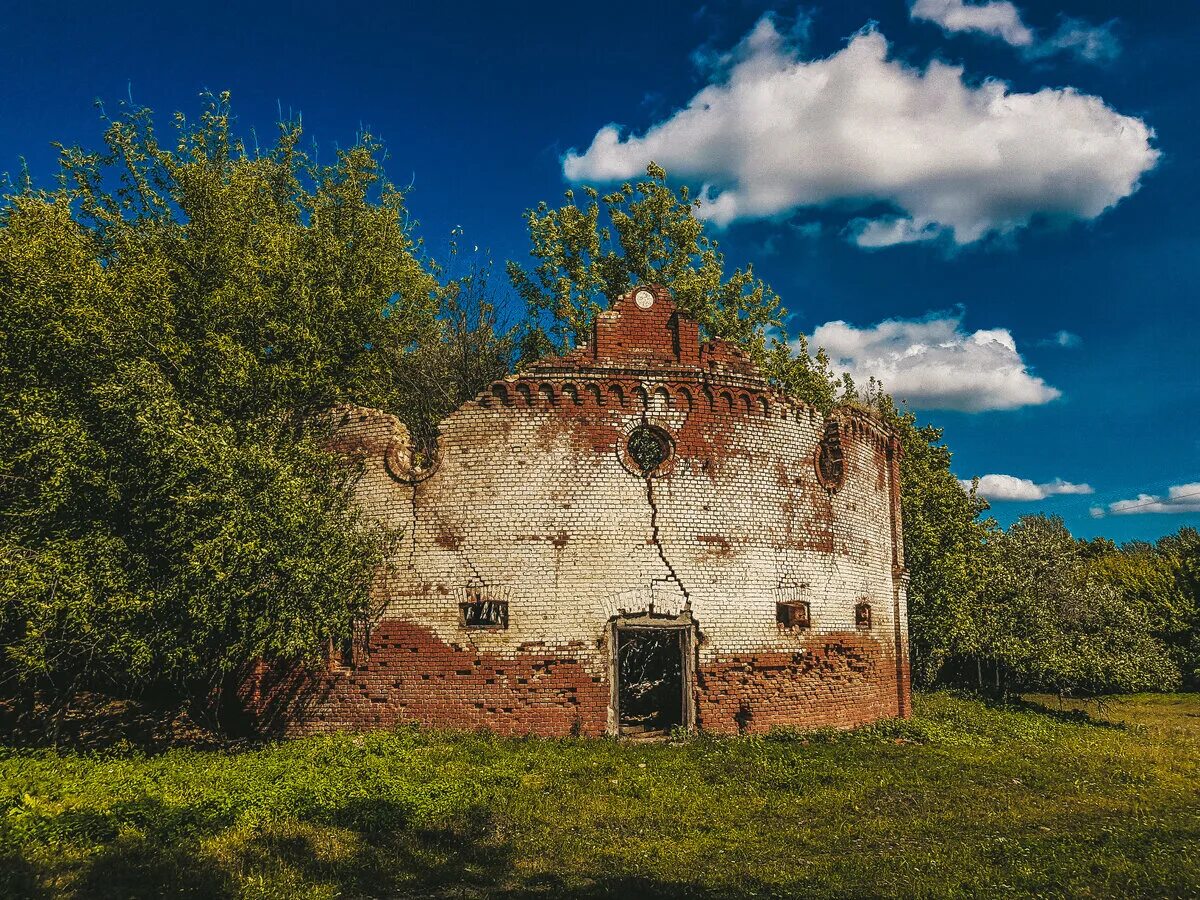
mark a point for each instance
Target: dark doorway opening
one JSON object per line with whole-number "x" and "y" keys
{"x": 650, "y": 680}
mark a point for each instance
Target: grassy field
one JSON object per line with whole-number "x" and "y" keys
{"x": 963, "y": 799}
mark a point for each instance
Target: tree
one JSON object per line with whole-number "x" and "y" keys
{"x": 172, "y": 318}
{"x": 643, "y": 233}
{"x": 1181, "y": 619}
{"x": 1053, "y": 623}
{"x": 945, "y": 549}
{"x": 470, "y": 345}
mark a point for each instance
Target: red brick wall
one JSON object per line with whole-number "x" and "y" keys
{"x": 533, "y": 500}
{"x": 842, "y": 680}
{"x": 409, "y": 674}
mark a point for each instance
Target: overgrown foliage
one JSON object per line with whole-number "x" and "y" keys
{"x": 644, "y": 233}
{"x": 945, "y": 540}
{"x": 1048, "y": 621}
{"x": 470, "y": 344}
{"x": 1160, "y": 582}
{"x": 173, "y": 317}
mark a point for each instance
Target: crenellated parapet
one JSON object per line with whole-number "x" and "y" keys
{"x": 643, "y": 354}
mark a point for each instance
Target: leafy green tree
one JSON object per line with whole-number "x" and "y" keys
{"x": 471, "y": 344}
{"x": 1180, "y": 617}
{"x": 1052, "y": 622}
{"x": 173, "y": 315}
{"x": 643, "y": 233}
{"x": 945, "y": 549}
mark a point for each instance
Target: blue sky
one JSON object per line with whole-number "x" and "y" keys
{"x": 994, "y": 206}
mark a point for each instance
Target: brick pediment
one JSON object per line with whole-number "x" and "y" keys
{"x": 643, "y": 329}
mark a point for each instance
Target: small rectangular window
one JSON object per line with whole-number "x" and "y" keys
{"x": 480, "y": 612}
{"x": 793, "y": 614}
{"x": 862, "y": 615}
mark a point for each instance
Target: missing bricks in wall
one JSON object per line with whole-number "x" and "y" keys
{"x": 831, "y": 466}
{"x": 498, "y": 605}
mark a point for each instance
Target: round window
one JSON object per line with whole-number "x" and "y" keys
{"x": 648, "y": 448}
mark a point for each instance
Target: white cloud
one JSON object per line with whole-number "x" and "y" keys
{"x": 1065, "y": 339}
{"x": 1093, "y": 43}
{"x": 1001, "y": 19}
{"x": 887, "y": 231}
{"x": 1180, "y": 498}
{"x": 932, "y": 363}
{"x": 1010, "y": 487}
{"x": 774, "y": 133}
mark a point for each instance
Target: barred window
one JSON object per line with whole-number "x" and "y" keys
{"x": 481, "y": 612}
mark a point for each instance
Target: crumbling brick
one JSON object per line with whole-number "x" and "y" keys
{"x": 532, "y": 500}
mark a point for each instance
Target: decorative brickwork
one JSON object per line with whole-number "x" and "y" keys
{"x": 644, "y": 480}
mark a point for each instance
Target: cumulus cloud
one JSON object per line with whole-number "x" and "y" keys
{"x": 774, "y": 133}
{"x": 1010, "y": 487}
{"x": 1001, "y": 19}
{"x": 933, "y": 363}
{"x": 1180, "y": 498}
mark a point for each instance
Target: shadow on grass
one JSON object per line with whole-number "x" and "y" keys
{"x": 20, "y": 878}
{"x": 368, "y": 848}
{"x": 138, "y": 868}
{"x": 1069, "y": 716}
{"x": 362, "y": 849}
{"x": 1020, "y": 703}
{"x": 97, "y": 723}
{"x": 628, "y": 886}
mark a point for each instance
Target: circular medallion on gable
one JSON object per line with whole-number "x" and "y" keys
{"x": 647, "y": 451}
{"x": 648, "y": 448}
{"x": 644, "y": 299}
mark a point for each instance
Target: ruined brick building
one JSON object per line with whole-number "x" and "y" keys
{"x": 639, "y": 535}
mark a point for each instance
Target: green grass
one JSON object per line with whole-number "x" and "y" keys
{"x": 963, "y": 799}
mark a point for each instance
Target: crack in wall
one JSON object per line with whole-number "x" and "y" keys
{"x": 412, "y": 552}
{"x": 462, "y": 554}
{"x": 654, "y": 536}
{"x": 458, "y": 551}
